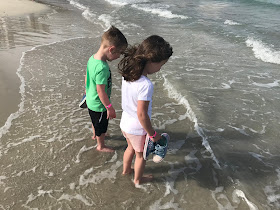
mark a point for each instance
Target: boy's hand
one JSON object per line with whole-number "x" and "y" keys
{"x": 111, "y": 113}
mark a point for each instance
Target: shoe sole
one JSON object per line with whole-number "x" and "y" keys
{"x": 83, "y": 103}
{"x": 145, "y": 147}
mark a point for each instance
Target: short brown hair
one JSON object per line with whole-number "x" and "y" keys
{"x": 115, "y": 37}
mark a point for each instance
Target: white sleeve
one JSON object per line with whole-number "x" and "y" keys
{"x": 145, "y": 92}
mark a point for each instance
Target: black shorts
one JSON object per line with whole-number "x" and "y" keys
{"x": 99, "y": 121}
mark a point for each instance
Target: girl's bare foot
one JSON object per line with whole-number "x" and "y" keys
{"x": 105, "y": 149}
{"x": 145, "y": 178}
{"x": 128, "y": 172}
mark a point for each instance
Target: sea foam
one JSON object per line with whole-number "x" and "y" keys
{"x": 173, "y": 93}
{"x": 268, "y": 85}
{"x": 231, "y": 23}
{"x": 272, "y": 191}
{"x": 157, "y": 11}
{"x": 263, "y": 52}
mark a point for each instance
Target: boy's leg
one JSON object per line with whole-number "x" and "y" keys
{"x": 100, "y": 124}
{"x": 93, "y": 132}
{"x": 101, "y": 144}
{"x": 127, "y": 158}
{"x": 139, "y": 167}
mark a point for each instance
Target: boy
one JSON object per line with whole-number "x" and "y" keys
{"x": 99, "y": 83}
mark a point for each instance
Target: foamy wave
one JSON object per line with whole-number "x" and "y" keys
{"x": 5, "y": 128}
{"x": 272, "y": 191}
{"x": 238, "y": 193}
{"x": 240, "y": 130}
{"x": 117, "y": 2}
{"x": 79, "y": 197}
{"x": 78, "y": 5}
{"x": 159, "y": 12}
{"x": 125, "y": 2}
{"x": 263, "y": 52}
{"x": 173, "y": 93}
{"x": 276, "y": 2}
{"x": 231, "y": 23}
{"x": 91, "y": 176}
{"x": 226, "y": 86}
{"x": 268, "y": 85}
{"x": 107, "y": 19}
{"x": 219, "y": 195}
{"x": 89, "y": 15}
{"x": 168, "y": 205}
{"x": 191, "y": 159}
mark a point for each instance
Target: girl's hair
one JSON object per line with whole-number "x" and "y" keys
{"x": 153, "y": 49}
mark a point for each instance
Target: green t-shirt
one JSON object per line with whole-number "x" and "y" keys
{"x": 98, "y": 73}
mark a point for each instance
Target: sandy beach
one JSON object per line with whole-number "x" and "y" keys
{"x": 20, "y": 7}
{"x": 217, "y": 98}
{"x": 14, "y": 11}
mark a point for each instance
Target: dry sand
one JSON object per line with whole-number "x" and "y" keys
{"x": 20, "y": 7}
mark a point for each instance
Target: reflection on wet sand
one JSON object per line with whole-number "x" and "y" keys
{"x": 21, "y": 31}
{"x": 17, "y": 34}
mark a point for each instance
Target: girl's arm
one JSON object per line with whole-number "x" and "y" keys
{"x": 142, "y": 113}
{"x": 111, "y": 113}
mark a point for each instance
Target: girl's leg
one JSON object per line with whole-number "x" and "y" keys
{"x": 139, "y": 167}
{"x": 127, "y": 158}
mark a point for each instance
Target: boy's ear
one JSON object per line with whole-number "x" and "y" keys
{"x": 112, "y": 49}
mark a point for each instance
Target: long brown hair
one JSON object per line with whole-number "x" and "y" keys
{"x": 154, "y": 49}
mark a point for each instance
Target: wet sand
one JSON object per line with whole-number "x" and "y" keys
{"x": 54, "y": 142}
{"x": 20, "y": 7}
{"x": 11, "y": 52}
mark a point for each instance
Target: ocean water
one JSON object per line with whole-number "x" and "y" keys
{"x": 217, "y": 97}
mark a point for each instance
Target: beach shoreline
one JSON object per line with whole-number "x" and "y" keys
{"x": 13, "y": 11}
{"x": 20, "y": 7}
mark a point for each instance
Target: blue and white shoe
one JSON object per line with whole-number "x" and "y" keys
{"x": 161, "y": 148}
{"x": 83, "y": 103}
{"x": 149, "y": 147}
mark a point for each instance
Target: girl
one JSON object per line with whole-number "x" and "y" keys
{"x": 137, "y": 91}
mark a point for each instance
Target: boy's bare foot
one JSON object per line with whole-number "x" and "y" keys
{"x": 145, "y": 178}
{"x": 105, "y": 149}
{"x": 128, "y": 172}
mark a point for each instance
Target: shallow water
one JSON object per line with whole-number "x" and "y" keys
{"x": 217, "y": 97}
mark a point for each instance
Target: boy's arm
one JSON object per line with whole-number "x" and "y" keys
{"x": 142, "y": 113}
{"x": 105, "y": 101}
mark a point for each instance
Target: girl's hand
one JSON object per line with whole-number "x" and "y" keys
{"x": 157, "y": 138}
{"x": 111, "y": 113}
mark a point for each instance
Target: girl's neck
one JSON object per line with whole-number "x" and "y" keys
{"x": 145, "y": 75}
{"x": 145, "y": 72}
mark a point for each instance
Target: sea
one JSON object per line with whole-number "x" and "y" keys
{"x": 218, "y": 97}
